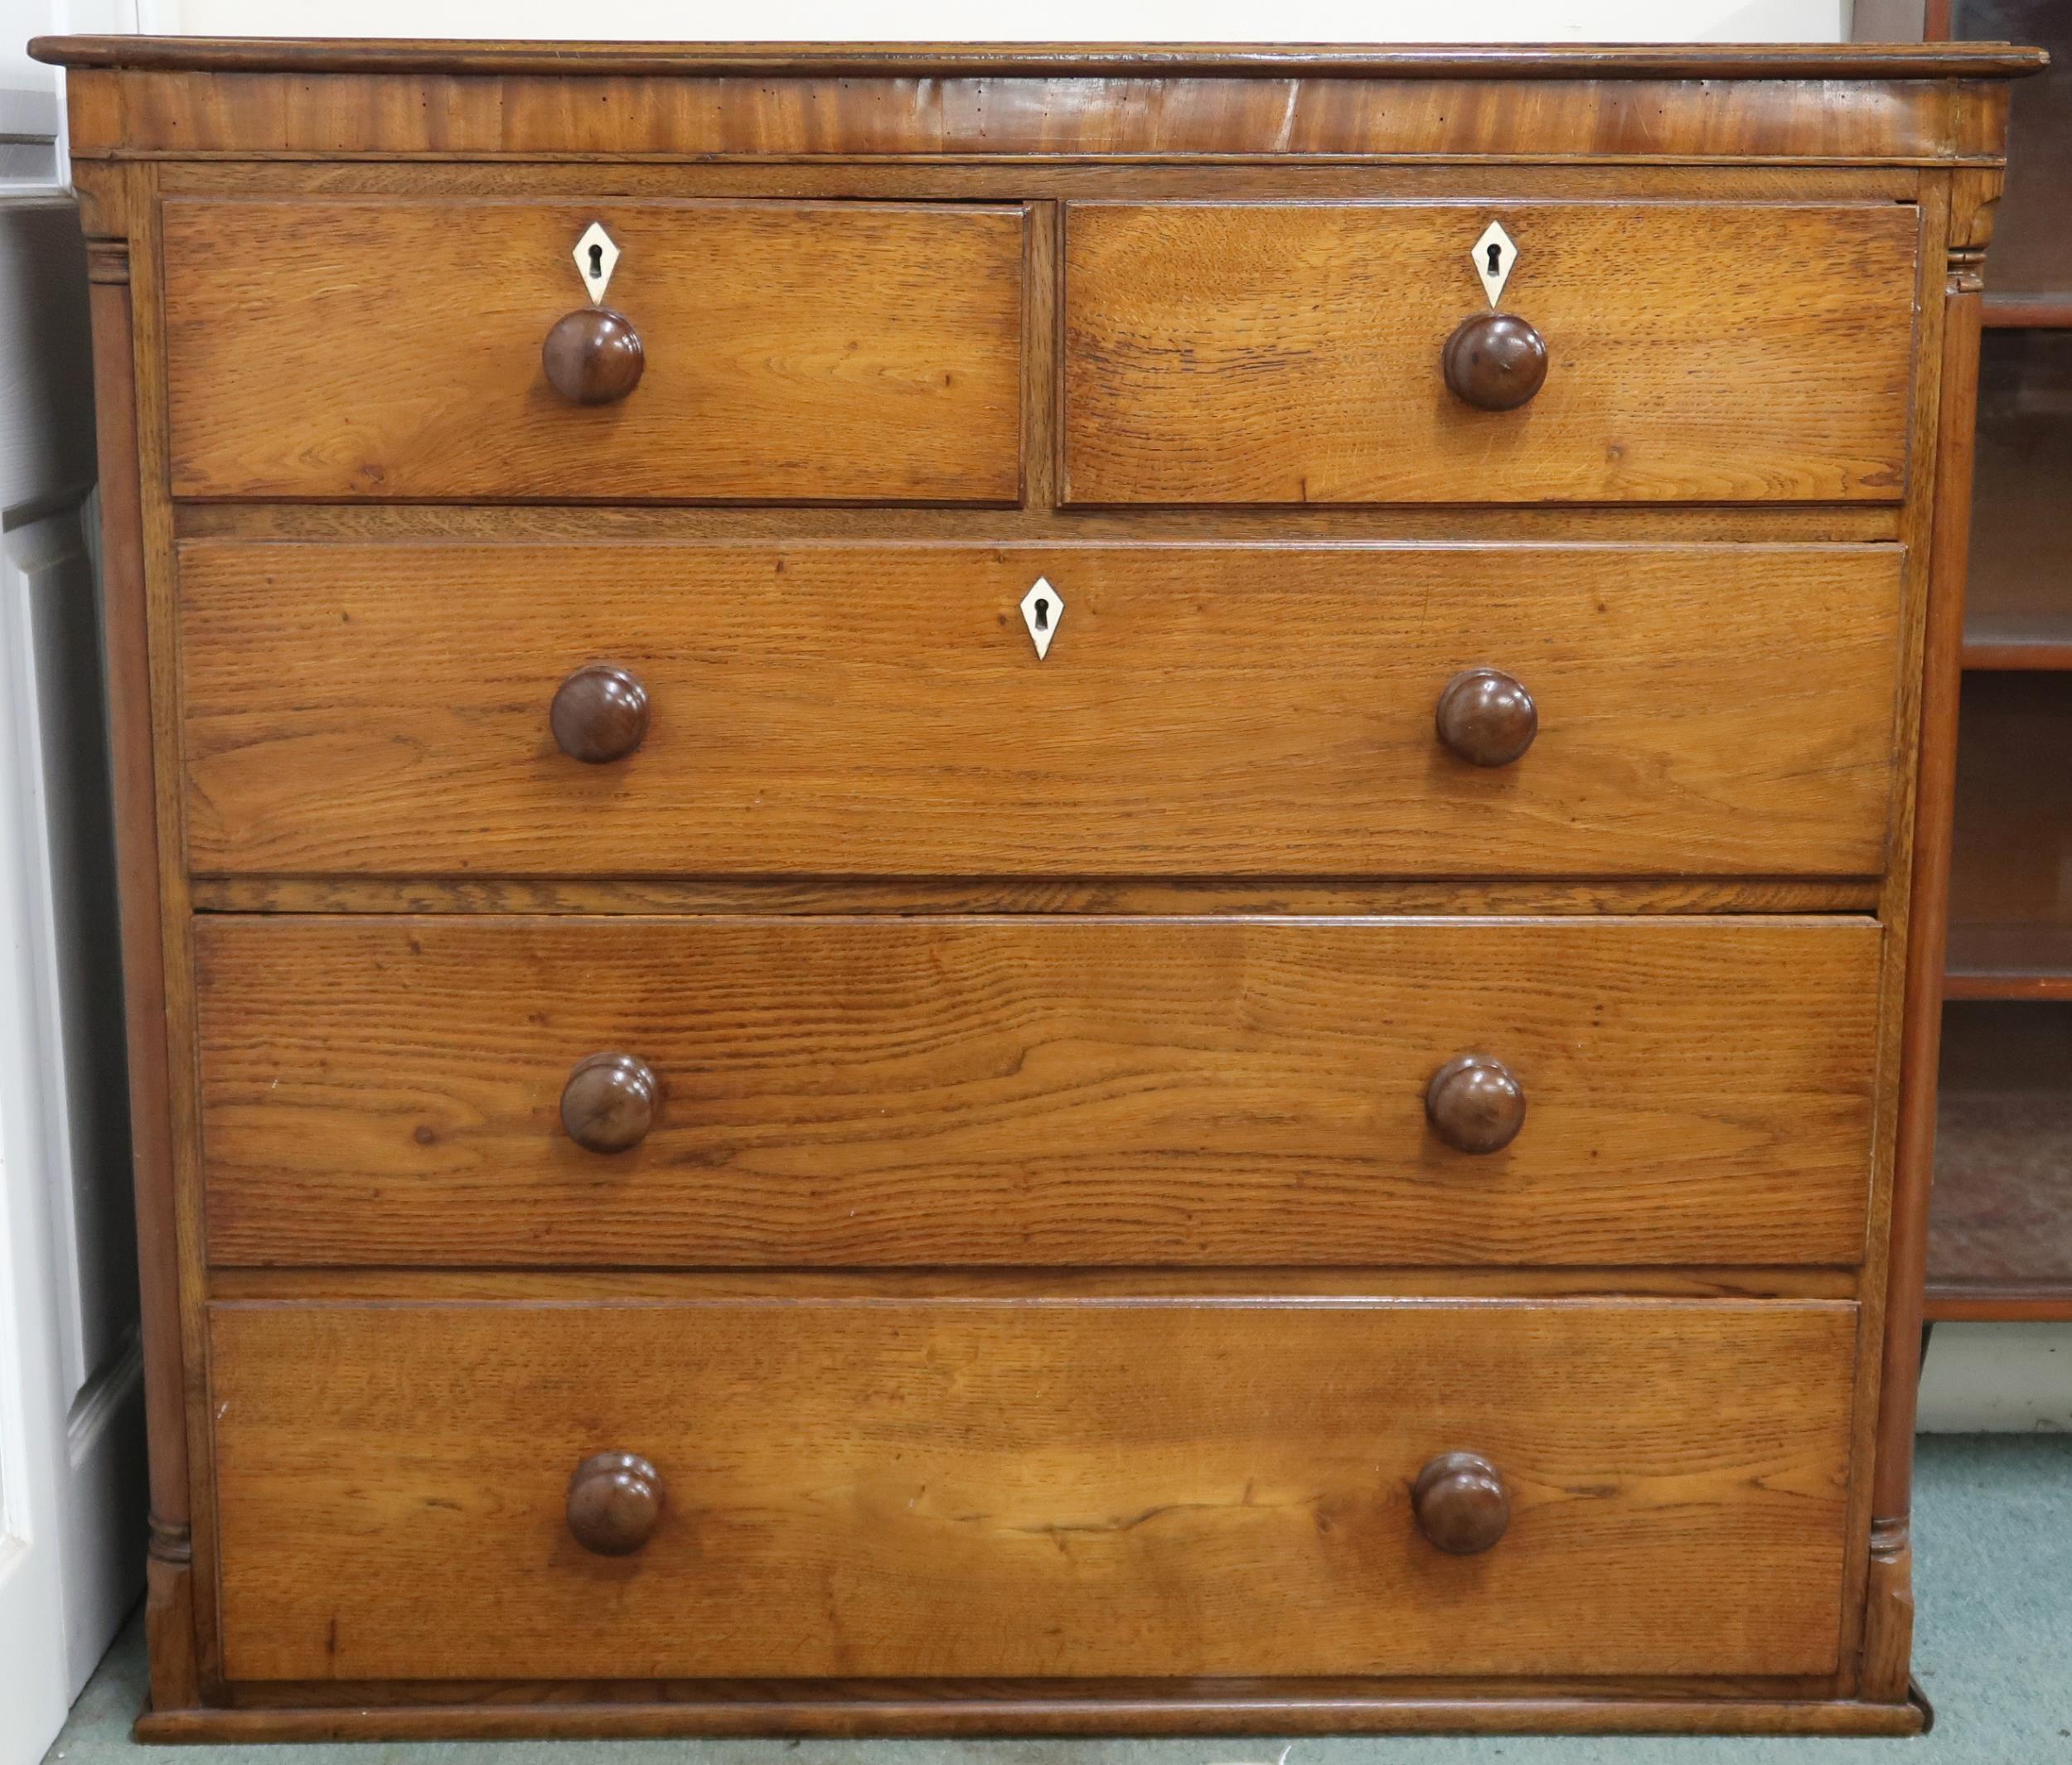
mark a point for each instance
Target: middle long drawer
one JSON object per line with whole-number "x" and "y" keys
{"x": 1034, "y": 1090}
{"x": 845, "y": 708}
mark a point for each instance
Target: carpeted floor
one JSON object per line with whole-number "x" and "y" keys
{"x": 1993, "y": 1652}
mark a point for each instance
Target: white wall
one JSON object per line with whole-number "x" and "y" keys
{"x": 1057, "y": 21}
{"x": 1997, "y": 1379}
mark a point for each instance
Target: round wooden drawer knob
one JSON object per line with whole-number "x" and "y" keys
{"x": 599, "y": 714}
{"x": 608, "y": 1104}
{"x": 1486, "y": 717}
{"x": 1475, "y": 1103}
{"x": 1460, "y": 1503}
{"x": 593, "y": 356}
{"x": 614, "y": 1500}
{"x": 1494, "y": 361}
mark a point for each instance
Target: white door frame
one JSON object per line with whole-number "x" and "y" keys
{"x": 71, "y": 1438}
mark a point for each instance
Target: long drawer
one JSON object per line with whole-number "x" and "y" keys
{"x": 794, "y": 352}
{"x": 869, "y": 709}
{"x": 1076, "y": 1486}
{"x": 1034, "y": 1090}
{"x": 1293, "y": 352}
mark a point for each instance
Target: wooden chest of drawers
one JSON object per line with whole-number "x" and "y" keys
{"x": 1045, "y": 890}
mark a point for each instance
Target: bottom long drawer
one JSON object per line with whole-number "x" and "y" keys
{"x": 1015, "y": 1486}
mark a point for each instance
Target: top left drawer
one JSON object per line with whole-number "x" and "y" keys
{"x": 794, "y": 352}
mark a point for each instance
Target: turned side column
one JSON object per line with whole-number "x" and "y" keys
{"x": 1888, "y": 1614}
{"x": 169, "y": 1584}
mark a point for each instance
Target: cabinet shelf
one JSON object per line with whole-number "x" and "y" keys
{"x": 2008, "y": 960}
{"x": 1999, "y": 1230}
{"x": 1993, "y": 651}
{"x": 2027, "y": 312}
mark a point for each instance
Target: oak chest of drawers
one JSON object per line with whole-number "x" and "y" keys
{"x": 1042, "y": 889}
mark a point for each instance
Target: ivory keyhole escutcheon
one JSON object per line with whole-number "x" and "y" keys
{"x": 1041, "y": 608}
{"x": 596, "y": 255}
{"x": 1495, "y": 258}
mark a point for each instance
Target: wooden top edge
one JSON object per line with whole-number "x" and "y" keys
{"x": 913, "y": 61}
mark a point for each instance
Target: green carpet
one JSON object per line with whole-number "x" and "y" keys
{"x": 1993, "y": 1535}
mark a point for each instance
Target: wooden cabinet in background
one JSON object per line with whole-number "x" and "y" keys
{"x": 1033, "y": 891}
{"x": 2000, "y": 1227}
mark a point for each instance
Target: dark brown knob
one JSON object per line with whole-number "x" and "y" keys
{"x": 614, "y": 1500}
{"x": 1475, "y": 1103}
{"x": 593, "y": 356}
{"x": 1494, "y": 361}
{"x": 1486, "y": 717}
{"x": 600, "y": 713}
{"x": 608, "y": 1104}
{"x": 1460, "y": 1503}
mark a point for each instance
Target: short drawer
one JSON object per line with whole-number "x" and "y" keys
{"x": 1153, "y": 1486}
{"x": 793, "y": 351}
{"x": 847, "y": 709}
{"x": 1291, "y": 352}
{"x": 791, "y": 1090}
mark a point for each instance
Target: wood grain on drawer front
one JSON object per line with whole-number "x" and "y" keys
{"x": 1000, "y": 1487}
{"x": 1291, "y": 352}
{"x": 1032, "y": 1090}
{"x": 816, "y": 351}
{"x": 857, "y": 709}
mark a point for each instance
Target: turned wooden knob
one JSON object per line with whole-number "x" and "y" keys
{"x": 1460, "y": 1503}
{"x": 608, "y": 1104}
{"x": 593, "y": 356}
{"x": 1486, "y": 717}
{"x": 600, "y": 713}
{"x": 614, "y": 1500}
{"x": 1494, "y": 361}
{"x": 1475, "y": 1103}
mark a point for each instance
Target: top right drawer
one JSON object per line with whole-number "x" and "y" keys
{"x": 1292, "y": 352}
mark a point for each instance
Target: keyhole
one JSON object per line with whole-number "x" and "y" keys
{"x": 597, "y": 261}
{"x": 1496, "y": 256}
{"x": 1043, "y": 614}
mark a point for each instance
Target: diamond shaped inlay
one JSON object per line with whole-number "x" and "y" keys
{"x": 1495, "y": 255}
{"x": 596, "y": 256}
{"x": 1041, "y": 608}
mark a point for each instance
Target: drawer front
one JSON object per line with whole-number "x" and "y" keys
{"x": 869, "y": 709}
{"x": 960, "y": 1488}
{"x": 1031, "y": 1090}
{"x": 793, "y": 351}
{"x": 1291, "y": 353}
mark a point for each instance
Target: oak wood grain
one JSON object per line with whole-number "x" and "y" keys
{"x": 963, "y": 1488}
{"x": 1292, "y": 353}
{"x": 1633, "y": 523}
{"x": 1019, "y": 178}
{"x": 1192, "y": 896}
{"x": 613, "y": 1285}
{"x": 813, "y": 351}
{"x": 855, "y": 710}
{"x": 924, "y": 1091}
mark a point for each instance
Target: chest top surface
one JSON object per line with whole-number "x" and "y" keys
{"x": 1814, "y": 102}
